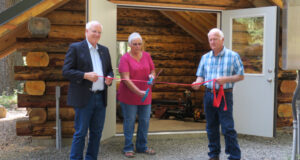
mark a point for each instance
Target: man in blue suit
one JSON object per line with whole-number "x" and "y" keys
{"x": 86, "y": 64}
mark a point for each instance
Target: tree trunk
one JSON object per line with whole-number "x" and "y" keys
{"x": 7, "y": 83}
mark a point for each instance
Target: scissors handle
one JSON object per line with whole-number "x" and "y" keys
{"x": 150, "y": 81}
{"x": 146, "y": 95}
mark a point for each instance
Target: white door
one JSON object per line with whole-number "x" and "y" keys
{"x": 252, "y": 33}
{"x": 106, "y": 13}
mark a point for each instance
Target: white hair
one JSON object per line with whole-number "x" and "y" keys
{"x": 216, "y": 30}
{"x": 133, "y": 36}
{"x": 91, "y": 23}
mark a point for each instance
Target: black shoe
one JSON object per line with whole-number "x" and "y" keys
{"x": 214, "y": 158}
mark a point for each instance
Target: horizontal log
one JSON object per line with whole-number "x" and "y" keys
{"x": 37, "y": 59}
{"x": 176, "y": 79}
{"x": 241, "y": 37}
{"x": 23, "y": 128}
{"x": 44, "y": 101}
{"x": 38, "y": 116}
{"x": 287, "y": 75}
{"x": 160, "y": 38}
{"x": 67, "y": 17}
{"x": 144, "y": 21}
{"x": 47, "y": 129}
{"x": 62, "y": 31}
{"x": 74, "y": 5}
{"x": 150, "y": 30}
{"x": 176, "y": 71}
{"x": 174, "y": 95}
{"x": 44, "y": 44}
{"x": 175, "y": 56}
{"x": 288, "y": 86}
{"x": 223, "y": 3}
{"x": 285, "y": 110}
{"x": 38, "y": 73}
{"x": 284, "y": 97}
{"x": 35, "y": 87}
{"x": 239, "y": 27}
{"x": 65, "y": 114}
{"x": 248, "y": 50}
{"x": 171, "y": 88}
{"x": 51, "y": 87}
{"x": 56, "y": 59}
{"x": 174, "y": 63}
{"x": 138, "y": 13}
{"x": 169, "y": 47}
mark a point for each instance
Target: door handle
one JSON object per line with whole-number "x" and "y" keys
{"x": 269, "y": 80}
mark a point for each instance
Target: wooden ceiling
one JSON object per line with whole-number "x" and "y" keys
{"x": 201, "y": 4}
{"x": 197, "y": 24}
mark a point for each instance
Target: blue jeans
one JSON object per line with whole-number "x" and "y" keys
{"x": 129, "y": 114}
{"x": 215, "y": 117}
{"x": 91, "y": 117}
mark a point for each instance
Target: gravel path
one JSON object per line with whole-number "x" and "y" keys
{"x": 168, "y": 147}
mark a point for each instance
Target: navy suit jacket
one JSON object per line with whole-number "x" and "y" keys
{"x": 77, "y": 62}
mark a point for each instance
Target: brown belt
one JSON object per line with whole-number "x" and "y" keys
{"x": 212, "y": 91}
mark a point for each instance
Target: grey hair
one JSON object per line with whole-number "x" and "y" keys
{"x": 133, "y": 36}
{"x": 91, "y": 23}
{"x": 216, "y": 30}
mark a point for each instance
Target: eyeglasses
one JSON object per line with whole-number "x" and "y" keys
{"x": 136, "y": 44}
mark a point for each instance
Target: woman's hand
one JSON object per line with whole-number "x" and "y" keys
{"x": 142, "y": 93}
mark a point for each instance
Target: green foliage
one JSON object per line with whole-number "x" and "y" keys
{"x": 255, "y": 27}
{"x": 8, "y": 99}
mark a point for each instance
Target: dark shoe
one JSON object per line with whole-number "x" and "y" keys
{"x": 214, "y": 158}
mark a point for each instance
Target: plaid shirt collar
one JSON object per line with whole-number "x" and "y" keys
{"x": 220, "y": 54}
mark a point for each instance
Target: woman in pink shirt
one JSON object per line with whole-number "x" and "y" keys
{"x": 135, "y": 64}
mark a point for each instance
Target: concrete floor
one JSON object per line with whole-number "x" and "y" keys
{"x": 168, "y": 125}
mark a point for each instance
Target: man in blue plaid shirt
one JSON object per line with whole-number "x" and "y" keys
{"x": 226, "y": 67}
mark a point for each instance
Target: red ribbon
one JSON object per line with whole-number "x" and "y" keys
{"x": 217, "y": 100}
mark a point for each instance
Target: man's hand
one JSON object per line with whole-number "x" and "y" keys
{"x": 222, "y": 80}
{"x": 195, "y": 87}
{"x": 91, "y": 76}
{"x": 198, "y": 80}
{"x": 108, "y": 80}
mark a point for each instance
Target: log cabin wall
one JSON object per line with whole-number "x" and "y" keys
{"x": 43, "y": 72}
{"x": 172, "y": 49}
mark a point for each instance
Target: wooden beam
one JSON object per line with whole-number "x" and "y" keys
{"x": 38, "y": 10}
{"x": 182, "y": 21}
{"x": 192, "y": 4}
{"x": 260, "y": 3}
{"x": 278, "y": 3}
{"x": 166, "y": 5}
{"x": 15, "y": 27}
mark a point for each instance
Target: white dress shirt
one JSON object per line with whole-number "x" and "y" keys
{"x": 97, "y": 67}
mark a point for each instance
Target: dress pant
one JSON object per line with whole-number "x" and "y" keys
{"x": 91, "y": 117}
{"x": 215, "y": 117}
{"x": 129, "y": 114}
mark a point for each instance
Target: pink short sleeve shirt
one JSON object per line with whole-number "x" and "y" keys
{"x": 138, "y": 71}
